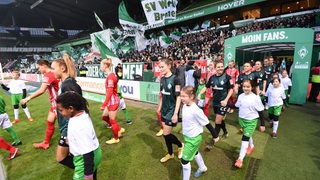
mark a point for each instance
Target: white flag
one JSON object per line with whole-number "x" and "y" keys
{"x": 157, "y": 11}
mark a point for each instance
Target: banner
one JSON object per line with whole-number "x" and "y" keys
{"x": 149, "y": 92}
{"x": 207, "y": 10}
{"x": 129, "y": 25}
{"x": 302, "y": 53}
{"x": 132, "y": 71}
{"x": 157, "y": 11}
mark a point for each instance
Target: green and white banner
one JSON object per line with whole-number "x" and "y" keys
{"x": 206, "y": 24}
{"x": 165, "y": 41}
{"x": 129, "y": 25}
{"x": 101, "y": 43}
{"x": 303, "y": 40}
{"x": 176, "y": 35}
{"x": 209, "y": 9}
{"x": 130, "y": 71}
{"x": 157, "y": 11}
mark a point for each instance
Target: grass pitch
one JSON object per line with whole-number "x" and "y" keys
{"x": 138, "y": 154}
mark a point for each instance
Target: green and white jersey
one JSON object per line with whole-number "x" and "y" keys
{"x": 252, "y": 76}
{"x": 268, "y": 70}
{"x": 16, "y": 86}
{"x": 170, "y": 89}
{"x": 220, "y": 87}
{"x": 81, "y": 135}
{"x": 260, "y": 77}
{"x": 249, "y": 106}
{"x": 193, "y": 120}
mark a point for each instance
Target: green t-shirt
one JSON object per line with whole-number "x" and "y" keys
{"x": 200, "y": 87}
{"x": 220, "y": 87}
{"x": 170, "y": 89}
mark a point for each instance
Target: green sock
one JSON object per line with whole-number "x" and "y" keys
{"x": 126, "y": 114}
{"x": 13, "y": 134}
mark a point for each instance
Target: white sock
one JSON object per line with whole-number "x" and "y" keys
{"x": 275, "y": 126}
{"x": 26, "y": 110}
{"x": 200, "y": 162}
{"x": 186, "y": 171}
{"x": 243, "y": 149}
{"x": 16, "y": 113}
{"x": 251, "y": 142}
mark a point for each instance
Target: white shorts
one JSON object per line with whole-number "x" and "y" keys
{"x": 5, "y": 121}
{"x": 122, "y": 104}
{"x": 201, "y": 103}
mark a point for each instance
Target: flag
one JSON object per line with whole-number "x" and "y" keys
{"x": 129, "y": 25}
{"x": 165, "y": 41}
{"x": 99, "y": 21}
{"x": 157, "y": 11}
{"x": 101, "y": 44}
{"x": 206, "y": 24}
{"x": 141, "y": 42}
{"x": 217, "y": 25}
{"x": 196, "y": 27}
{"x": 184, "y": 28}
{"x": 176, "y": 35}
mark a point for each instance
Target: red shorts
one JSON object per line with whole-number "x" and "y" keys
{"x": 208, "y": 94}
{"x": 113, "y": 107}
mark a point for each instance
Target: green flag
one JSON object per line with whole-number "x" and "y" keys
{"x": 176, "y": 35}
{"x": 129, "y": 25}
{"x": 99, "y": 21}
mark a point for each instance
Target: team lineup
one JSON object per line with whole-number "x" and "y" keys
{"x": 225, "y": 89}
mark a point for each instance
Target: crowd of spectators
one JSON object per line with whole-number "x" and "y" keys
{"x": 204, "y": 44}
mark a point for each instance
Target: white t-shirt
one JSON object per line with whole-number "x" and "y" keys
{"x": 275, "y": 96}
{"x": 81, "y": 135}
{"x": 249, "y": 106}
{"x": 193, "y": 120}
{"x": 16, "y": 86}
{"x": 286, "y": 82}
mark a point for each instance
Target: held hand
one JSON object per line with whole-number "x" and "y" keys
{"x": 262, "y": 128}
{"x": 224, "y": 103}
{"x": 263, "y": 93}
{"x": 24, "y": 101}
{"x": 174, "y": 118}
{"x": 288, "y": 95}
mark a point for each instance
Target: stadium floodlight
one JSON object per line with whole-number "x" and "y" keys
{"x": 36, "y": 4}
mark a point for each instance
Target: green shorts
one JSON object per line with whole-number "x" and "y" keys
{"x": 248, "y": 126}
{"x": 79, "y": 164}
{"x": 191, "y": 147}
{"x": 16, "y": 98}
{"x": 275, "y": 110}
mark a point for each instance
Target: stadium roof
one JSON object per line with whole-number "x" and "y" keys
{"x": 62, "y": 14}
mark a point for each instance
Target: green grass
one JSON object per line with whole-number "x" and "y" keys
{"x": 139, "y": 151}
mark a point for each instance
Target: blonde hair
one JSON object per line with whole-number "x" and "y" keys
{"x": 67, "y": 62}
{"x": 107, "y": 62}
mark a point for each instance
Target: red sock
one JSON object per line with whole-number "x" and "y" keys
{"x": 160, "y": 120}
{"x": 6, "y": 146}
{"x": 49, "y": 131}
{"x": 206, "y": 109}
{"x": 115, "y": 128}
{"x": 106, "y": 119}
